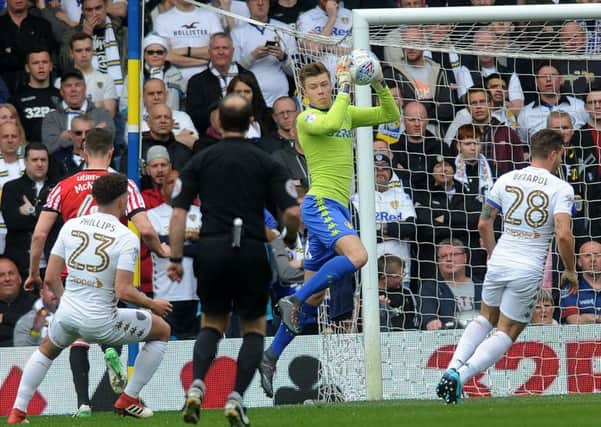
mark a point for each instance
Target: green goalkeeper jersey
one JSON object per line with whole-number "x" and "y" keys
{"x": 326, "y": 139}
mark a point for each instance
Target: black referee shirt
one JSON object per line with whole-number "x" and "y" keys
{"x": 234, "y": 178}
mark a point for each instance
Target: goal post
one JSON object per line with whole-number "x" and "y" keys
{"x": 363, "y": 20}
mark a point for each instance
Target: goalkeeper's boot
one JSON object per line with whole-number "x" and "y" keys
{"x": 191, "y": 411}
{"x": 235, "y": 412}
{"x": 267, "y": 371}
{"x": 16, "y": 416}
{"x": 84, "y": 411}
{"x": 290, "y": 308}
{"x": 127, "y": 405}
{"x": 117, "y": 374}
{"x": 450, "y": 388}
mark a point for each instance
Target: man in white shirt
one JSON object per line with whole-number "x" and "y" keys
{"x": 537, "y": 207}
{"x": 533, "y": 116}
{"x": 330, "y": 19}
{"x": 188, "y": 28}
{"x": 183, "y": 319}
{"x": 155, "y": 93}
{"x": 100, "y": 88}
{"x": 264, "y": 51}
{"x": 100, "y": 255}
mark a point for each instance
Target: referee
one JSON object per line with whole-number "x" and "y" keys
{"x": 234, "y": 180}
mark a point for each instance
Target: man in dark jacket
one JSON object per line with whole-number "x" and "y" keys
{"x": 453, "y": 299}
{"x": 19, "y": 32}
{"x": 22, "y": 201}
{"x": 209, "y": 86}
{"x": 14, "y": 302}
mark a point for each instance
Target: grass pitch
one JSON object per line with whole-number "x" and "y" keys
{"x": 555, "y": 411}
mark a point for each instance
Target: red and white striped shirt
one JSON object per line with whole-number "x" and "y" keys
{"x": 72, "y": 197}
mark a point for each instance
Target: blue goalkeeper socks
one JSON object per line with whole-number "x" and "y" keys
{"x": 332, "y": 271}
{"x": 283, "y": 336}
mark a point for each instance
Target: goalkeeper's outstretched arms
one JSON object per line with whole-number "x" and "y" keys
{"x": 386, "y": 112}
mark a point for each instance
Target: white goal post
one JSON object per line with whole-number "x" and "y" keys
{"x": 363, "y": 19}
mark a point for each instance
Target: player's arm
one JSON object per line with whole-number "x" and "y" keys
{"x": 565, "y": 245}
{"x": 311, "y": 123}
{"x": 177, "y": 233}
{"x": 486, "y": 225}
{"x": 184, "y": 191}
{"x": 386, "y": 112}
{"x": 575, "y": 319}
{"x": 148, "y": 233}
{"x": 125, "y": 291}
{"x": 52, "y": 278}
{"x": 38, "y": 241}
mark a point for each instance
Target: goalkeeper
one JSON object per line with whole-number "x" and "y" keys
{"x": 324, "y": 132}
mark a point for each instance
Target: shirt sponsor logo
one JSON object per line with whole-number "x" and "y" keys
{"x": 388, "y": 217}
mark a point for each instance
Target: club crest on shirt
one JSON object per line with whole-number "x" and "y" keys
{"x": 310, "y": 118}
{"x": 394, "y": 204}
{"x": 345, "y": 20}
{"x": 99, "y": 84}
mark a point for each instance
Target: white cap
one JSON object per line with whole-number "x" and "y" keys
{"x": 154, "y": 39}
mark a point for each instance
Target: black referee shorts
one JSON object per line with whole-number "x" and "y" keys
{"x": 233, "y": 278}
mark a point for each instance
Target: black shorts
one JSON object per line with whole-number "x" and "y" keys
{"x": 233, "y": 278}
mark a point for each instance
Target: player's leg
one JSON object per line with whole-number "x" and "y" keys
{"x": 474, "y": 334}
{"x": 351, "y": 257}
{"x": 212, "y": 329}
{"x": 80, "y": 369}
{"x": 449, "y": 387}
{"x": 329, "y": 223}
{"x": 250, "y": 302}
{"x": 133, "y": 325}
{"x": 517, "y": 302}
{"x": 492, "y": 348}
{"x": 37, "y": 367}
{"x": 249, "y": 357}
{"x": 283, "y": 337}
{"x": 114, "y": 367}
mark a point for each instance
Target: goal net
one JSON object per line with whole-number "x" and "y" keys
{"x": 483, "y": 79}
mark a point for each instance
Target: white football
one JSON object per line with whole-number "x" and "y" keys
{"x": 364, "y": 66}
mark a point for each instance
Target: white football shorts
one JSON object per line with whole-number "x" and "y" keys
{"x": 515, "y": 298}
{"x": 129, "y": 325}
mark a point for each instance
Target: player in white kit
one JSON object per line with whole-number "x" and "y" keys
{"x": 535, "y": 205}
{"x": 100, "y": 255}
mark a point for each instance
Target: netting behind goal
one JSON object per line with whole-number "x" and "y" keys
{"x": 503, "y": 79}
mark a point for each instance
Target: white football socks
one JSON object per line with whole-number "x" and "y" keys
{"x": 474, "y": 334}
{"x": 35, "y": 370}
{"x": 486, "y": 354}
{"x": 147, "y": 362}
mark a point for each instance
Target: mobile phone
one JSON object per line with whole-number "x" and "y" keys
{"x": 270, "y": 43}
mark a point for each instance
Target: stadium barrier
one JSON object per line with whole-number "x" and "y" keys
{"x": 546, "y": 360}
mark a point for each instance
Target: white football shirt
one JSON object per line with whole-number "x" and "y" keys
{"x": 268, "y": 70}
{"x": 529, "y": 199}
{"x": 315, "y": 20}
{"x": 183, "y": 29}
{"x": 163, "y": 287}
{"x": 94, "y": 247}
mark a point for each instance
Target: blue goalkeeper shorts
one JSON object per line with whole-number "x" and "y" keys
{"x": 327, "y": 221}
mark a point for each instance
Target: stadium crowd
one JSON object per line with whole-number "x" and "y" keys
{"x": 465, "y": 121}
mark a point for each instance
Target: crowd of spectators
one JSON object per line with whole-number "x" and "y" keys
{"x": 466, "y": 119}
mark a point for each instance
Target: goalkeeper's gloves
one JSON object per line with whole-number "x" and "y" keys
{"x": 343, "y": 75}
{"x": 378, "y": 81}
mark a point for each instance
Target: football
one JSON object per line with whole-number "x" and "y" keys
{"x": 364, "y": 66}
